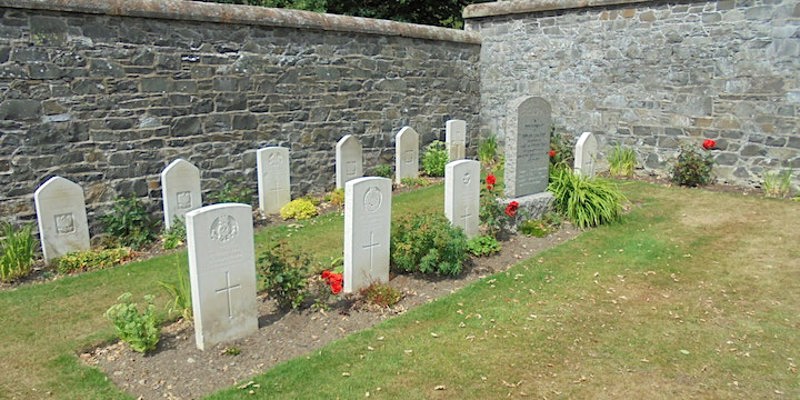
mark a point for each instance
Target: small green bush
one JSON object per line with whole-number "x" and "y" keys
{"x": 299, "y": 209}
{"x": 139, "y": 330}
{"x": 562, "y": 149}
{"x": 129, "y": 223}
{"x": 534, "y": 227}
{"x": 180, "y": 292}
{"x": 175, "y": 236}
{"x": 778, "y": 184}
{"x": 487, "y": 152}
{"x": 435, "y": 158}
{"x": 621, "y": 161}
{"x": 417, "y": 182}
{"x": 383, "y": 171}
{"x": 428, "y": 243}
{"x": 484, "y": 245}
{"x": 381, "y": 294}
{"x": 692, "y": 168}
{"x": 283, "y": 273}
{"x": 16, "y": 252}
{"x": 585, "y": 201}
{"x": 232, "y": 191}
{"x": 336, "y": 197}
{"x": 94, "y": 259}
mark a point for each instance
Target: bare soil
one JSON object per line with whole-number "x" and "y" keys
{"x": 178, "y": 370}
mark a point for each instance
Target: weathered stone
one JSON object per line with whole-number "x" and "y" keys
{"x": 20, "y": 109}
{"x": 527, "y": 143}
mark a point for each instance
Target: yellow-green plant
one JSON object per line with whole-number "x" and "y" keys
{"x": 336, "y": 197}
{"x": 778, "y": 184}
{"x": 487, "y": 152}
{"x": 299, "y": 209}
{"x": 139, "y": 330}
{"x": 89, "y": 260}
{"x": 180, "y": 292}
{"x": 435, "y": 158}
{"x": 585, "y": 201}
{"x": 483, "y": 245}
{"x": 621, "y": 161}
{"x": 16, "y": 252}
{"x": 381, "y": 294}
{"x": 174, "y": 236}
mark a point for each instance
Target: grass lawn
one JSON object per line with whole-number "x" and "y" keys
{"x": 695, "y": 295}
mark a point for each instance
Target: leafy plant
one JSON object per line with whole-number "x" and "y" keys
{"x": 417, "y": 182}
{"x": 174, "y": 236}
{"x": 621, "y": 161}
{"x": 483, "y": 245}
{"x": 562, "y": 149}
{"x": 299, "y": 209}
{"x": 487, "y": 152}
{"x": 535, "y": 227}
{"x": 383, "y": 171}
{"x": 585, "y": 201}
{"x": 232, "y": 351}
{"x": 692, "y": 168}
{"x": 16, "y": 252}
{"x": 381, "y": 294}
{"x": 428, "y": 243}
{"x": 180, "y": 292}
{"x": 336, "y": 197}
{"x": 435, "y": 158}
{"x": 92, "y": 259}
{"x": 232, "y": 191}
{"x": 282, "y": 273}
{"x": 139, "y": 330}
{"x": 129, "y": 223}
{"x": 494, "y": 216}
{"x": 778, "y": 184}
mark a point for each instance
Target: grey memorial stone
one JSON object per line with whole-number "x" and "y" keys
{"x": 274, "y": 184}
{"x": 586, "y": 151}
{"x": 462, "y": 189}
{"x": 222, "y": 273}
{"x": 527, "y": 144}
{"x": 61, "y": 214}
{"x": 180, "y": 190}
{"x": 367, "y": 220}
{"x": 349, "y": 161}
{"x": 406, "y": 154}
{"x": 456, "y": 139}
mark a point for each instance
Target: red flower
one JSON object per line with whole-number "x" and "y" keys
{"x": 551, "y": 153}
{"x": 709, "y": 144}
{"x": 336, "y": 288}
{"x": 491, "y": 180}
{"x": 511, "y": 208}
{"x": 326, "y": 274}
{"x": 333, "y": 280}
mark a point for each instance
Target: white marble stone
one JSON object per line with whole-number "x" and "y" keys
{"x": 462, "y": 190}
{"x": 349, "y": 160}
{"x": 456, "y": 139}
{"x": 180, "y": 190}
{"x": 222, "y": 273}
{"x": 367, "y": 221}
{"x": 586, "y": 151}
{"x": 274, "y": 184}
{"x": 406, "y": 154}
{"x": 61, "y": 214}
{"x": 527, "y": 144}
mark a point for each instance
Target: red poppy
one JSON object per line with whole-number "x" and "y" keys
{"x": 511, "y": 208}
{"x": 709, "y": 144}
{"x": 551, "y": 153}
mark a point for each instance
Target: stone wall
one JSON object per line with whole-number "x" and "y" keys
{"x": 653, "y": 75}
{"x": 108, "y": 93}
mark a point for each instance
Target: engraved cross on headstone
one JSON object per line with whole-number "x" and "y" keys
{"x": 227, "y": 289}
{"x": 276, "y": 193}
{"x": 371, "y": 246}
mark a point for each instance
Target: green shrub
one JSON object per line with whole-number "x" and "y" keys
{"x": 621, "y": 161}
{"x": 562, "y": 149}
{"x": 435, "y": 158}
{"x": 232, "y": 191}
{"x": 585, "y": 201}
{"x": 534, "y": 227}
{"x": 487, "y": 152}
{"x": 383, "y": 171}
{"x": 139, "y": 330}
{"x": 492, "y": 213}
{"x": 692, "y": 168}
{"x": 180, "y": 292}
{"x": 299, "y": 209}
{"x": 417, "y": 182}
{"x": 283, "y": 274}
{"x": 336, "y": 197}
{"x": 174, "y": 236}
{"x": 428, "y": 243}
{"x": 778, "y": 184}
{"x": 381, "y": 294}
{"x": 484, "y": 245}
{"x": 16, "y": 252}
{"x": 93, "y": 259}
{"x": 129, "y": 223}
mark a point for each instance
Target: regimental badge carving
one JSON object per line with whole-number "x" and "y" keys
{"x": 275, "y": 159}
{"x": 224, "y": 228}
{"x": 184, "y": 200}
{"x": 65, "y": 223}
{"x": 373, "y": 199}
{"x": 466, "y": 178}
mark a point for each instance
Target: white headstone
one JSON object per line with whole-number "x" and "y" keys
{"x": 456, "y": 138}
{"x": 180, "y": 190}
{"x": 527, "y": 144}
{"x": 349, "y": 162}
{"x": 462, "y": 190}
{"x": 586, "y": 154}
{"x": 222, "y": 273}
{"x": 274, "y": 189}
{"x": 367, "y": 220}
{"x": 61, "y": 214}
{"x": 407, "y": 154}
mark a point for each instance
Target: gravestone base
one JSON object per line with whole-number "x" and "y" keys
{"x": 532, "y": 206}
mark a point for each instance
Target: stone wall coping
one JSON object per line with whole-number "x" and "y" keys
{"x": 247, "y": 15}
{"x": 499, "y": 8}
